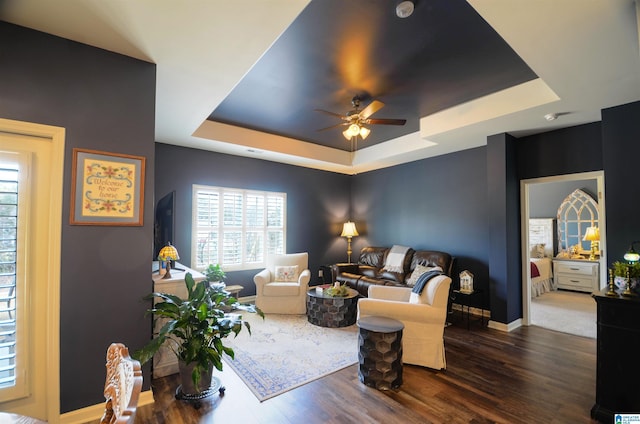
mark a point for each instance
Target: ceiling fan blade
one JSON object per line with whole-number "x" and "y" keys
{"x": 341, "y": 124}
{"x": 371, "y": 108}
{"x": 332, "y": 114}
{"x": 385, "y": 121}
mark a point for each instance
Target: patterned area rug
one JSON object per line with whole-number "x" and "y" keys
{"x": 565, "y": 311}
{"x": 286, "y": 351}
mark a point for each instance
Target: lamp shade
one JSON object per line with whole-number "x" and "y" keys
{"x": 592, "y": 234}
{"x": 632, "y": 255}
{"x": 168, "y": 252}
{"x": 349, "y": 230}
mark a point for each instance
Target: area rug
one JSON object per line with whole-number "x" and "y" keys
{"x": 286, "y": 351}
{"x": 565, "y": 311}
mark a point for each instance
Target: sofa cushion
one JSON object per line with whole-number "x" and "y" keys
{"x": 368, "y": 271}
{"x": 398, "y": 277}
{"x": 417, "y": 272}
{"x": 433, "y": 258}
{"x": 373, "y": 256}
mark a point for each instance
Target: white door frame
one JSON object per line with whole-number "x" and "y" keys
{"x": 50, "y": 356}
{"x": 524, "y": 205}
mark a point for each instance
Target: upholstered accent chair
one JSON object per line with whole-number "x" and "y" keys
{"x": 423, "y": 315}
{"x": 281, "y": 288}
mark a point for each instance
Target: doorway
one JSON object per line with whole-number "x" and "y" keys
{"x": 32, "y": 161}
{"x": 526, "y": 189}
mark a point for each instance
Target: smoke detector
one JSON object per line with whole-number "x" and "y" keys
{"x": 404, "y": 9}
{"x": 551, "y": 116}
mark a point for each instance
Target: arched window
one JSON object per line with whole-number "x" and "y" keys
{"x": 577, "y": 212}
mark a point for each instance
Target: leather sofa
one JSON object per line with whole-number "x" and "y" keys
{"x": 369, "y": 268}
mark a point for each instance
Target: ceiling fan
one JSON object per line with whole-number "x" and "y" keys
{"x": 356, "y": 119}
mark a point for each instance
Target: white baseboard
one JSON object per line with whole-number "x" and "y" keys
{"x": 505, "y": 327}
{"x": 94, "y": 412}
{"x": 247, "y": 299}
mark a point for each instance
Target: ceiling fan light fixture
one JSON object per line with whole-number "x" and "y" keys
{"x": 364, "y": 132}
{"x": 354, "y": 130}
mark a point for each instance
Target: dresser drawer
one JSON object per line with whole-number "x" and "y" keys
{"x": 575, "y": 268}
{"x": 575, "y": 282}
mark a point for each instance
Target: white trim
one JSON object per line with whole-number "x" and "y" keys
{"x": 505, "y": 327}
{"x": 94, "y": 412}
{"x": 56, "y": 135}
{"x": 525, "y": 251}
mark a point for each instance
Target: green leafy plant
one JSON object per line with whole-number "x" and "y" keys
{"x": 339, "y": 291}
{"x": 196, "y": 326}
{"x": 214, "y": 273}
{"x": 620, "y": 269}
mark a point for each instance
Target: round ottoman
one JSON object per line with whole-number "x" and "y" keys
{"x": 380, "y": 352}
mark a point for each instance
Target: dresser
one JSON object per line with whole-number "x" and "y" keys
{"x": 165, "y": 361}
{"x": 618, "y": 344}
{"x": 578, "y": 275}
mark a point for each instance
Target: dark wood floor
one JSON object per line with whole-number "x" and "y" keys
{"x": 530, "y": 375}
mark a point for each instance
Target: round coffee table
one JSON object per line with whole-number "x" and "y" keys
{"x": 328, "y": 311}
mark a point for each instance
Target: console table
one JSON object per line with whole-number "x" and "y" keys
{"x": 617, "y": 373}
{"x": 165, "y": 361}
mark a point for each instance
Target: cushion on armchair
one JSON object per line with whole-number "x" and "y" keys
{"x": 286, "y": 273}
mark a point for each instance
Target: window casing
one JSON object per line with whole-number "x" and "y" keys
{"x": 236, "y": 228}
{"x": 14, "y": 339}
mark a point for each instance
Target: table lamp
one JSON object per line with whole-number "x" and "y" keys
{"x": 348, "y": 231}
{"x": 592, "y": 235}
{"x": 167, "y": 254}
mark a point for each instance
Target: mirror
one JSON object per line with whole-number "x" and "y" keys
{"x": 577, "y": 212}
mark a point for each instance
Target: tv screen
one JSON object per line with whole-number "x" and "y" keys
{"x": 164, "y": 223}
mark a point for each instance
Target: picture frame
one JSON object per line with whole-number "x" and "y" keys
{"x": 107, "y": 188}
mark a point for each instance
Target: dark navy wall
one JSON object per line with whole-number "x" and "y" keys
{"x": 621, "y": 151}
{"x": 566, "y": 151}
{"x": 106, "y": 102}
{"x": 433, "y": 204}
{"x": 317, "y": 201}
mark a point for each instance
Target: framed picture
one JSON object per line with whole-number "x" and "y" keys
{"x": 107, "y": 188}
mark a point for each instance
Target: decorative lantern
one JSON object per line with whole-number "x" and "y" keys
{"x": 466, "y": 282}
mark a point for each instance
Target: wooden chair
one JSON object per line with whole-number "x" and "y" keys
{"x": 122, "y": 387}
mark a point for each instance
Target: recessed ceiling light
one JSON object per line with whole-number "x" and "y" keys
{"x": 404, "y": 9}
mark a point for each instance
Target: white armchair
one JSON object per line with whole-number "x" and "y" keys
{"x": 281, "y": 288}
{"x": 423, "y": 317}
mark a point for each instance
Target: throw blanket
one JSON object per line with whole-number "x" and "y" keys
{"x": 423, "y": 279}
{"x": 535, "y": 272}
{"x": 395, "y": 258}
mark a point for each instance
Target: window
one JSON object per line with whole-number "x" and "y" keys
{"x": 236, "y": 228}
{"x": 13, "y": 340}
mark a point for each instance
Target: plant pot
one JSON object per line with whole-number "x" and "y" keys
{"x": 188, "y": 387}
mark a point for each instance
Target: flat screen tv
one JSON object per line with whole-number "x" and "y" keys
{"x": 164, "y": 223}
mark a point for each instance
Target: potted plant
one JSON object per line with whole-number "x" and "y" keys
{"x": 214, "y": 273}
{"x": 620, "y": 270}
{"x": 195, "y": 328}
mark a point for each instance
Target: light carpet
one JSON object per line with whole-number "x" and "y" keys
{"x": 565, "y": 311}
{"x": 286, "y": 351}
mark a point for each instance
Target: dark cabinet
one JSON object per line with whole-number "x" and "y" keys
{"x": 618, "y": 344}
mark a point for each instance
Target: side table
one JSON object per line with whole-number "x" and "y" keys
{"x": 465, "y": 300}
{"x": 380, "y": 352}
{"x": 234, "y": 290}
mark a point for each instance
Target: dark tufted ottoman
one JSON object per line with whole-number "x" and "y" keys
{"x": 380, "y": 352}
